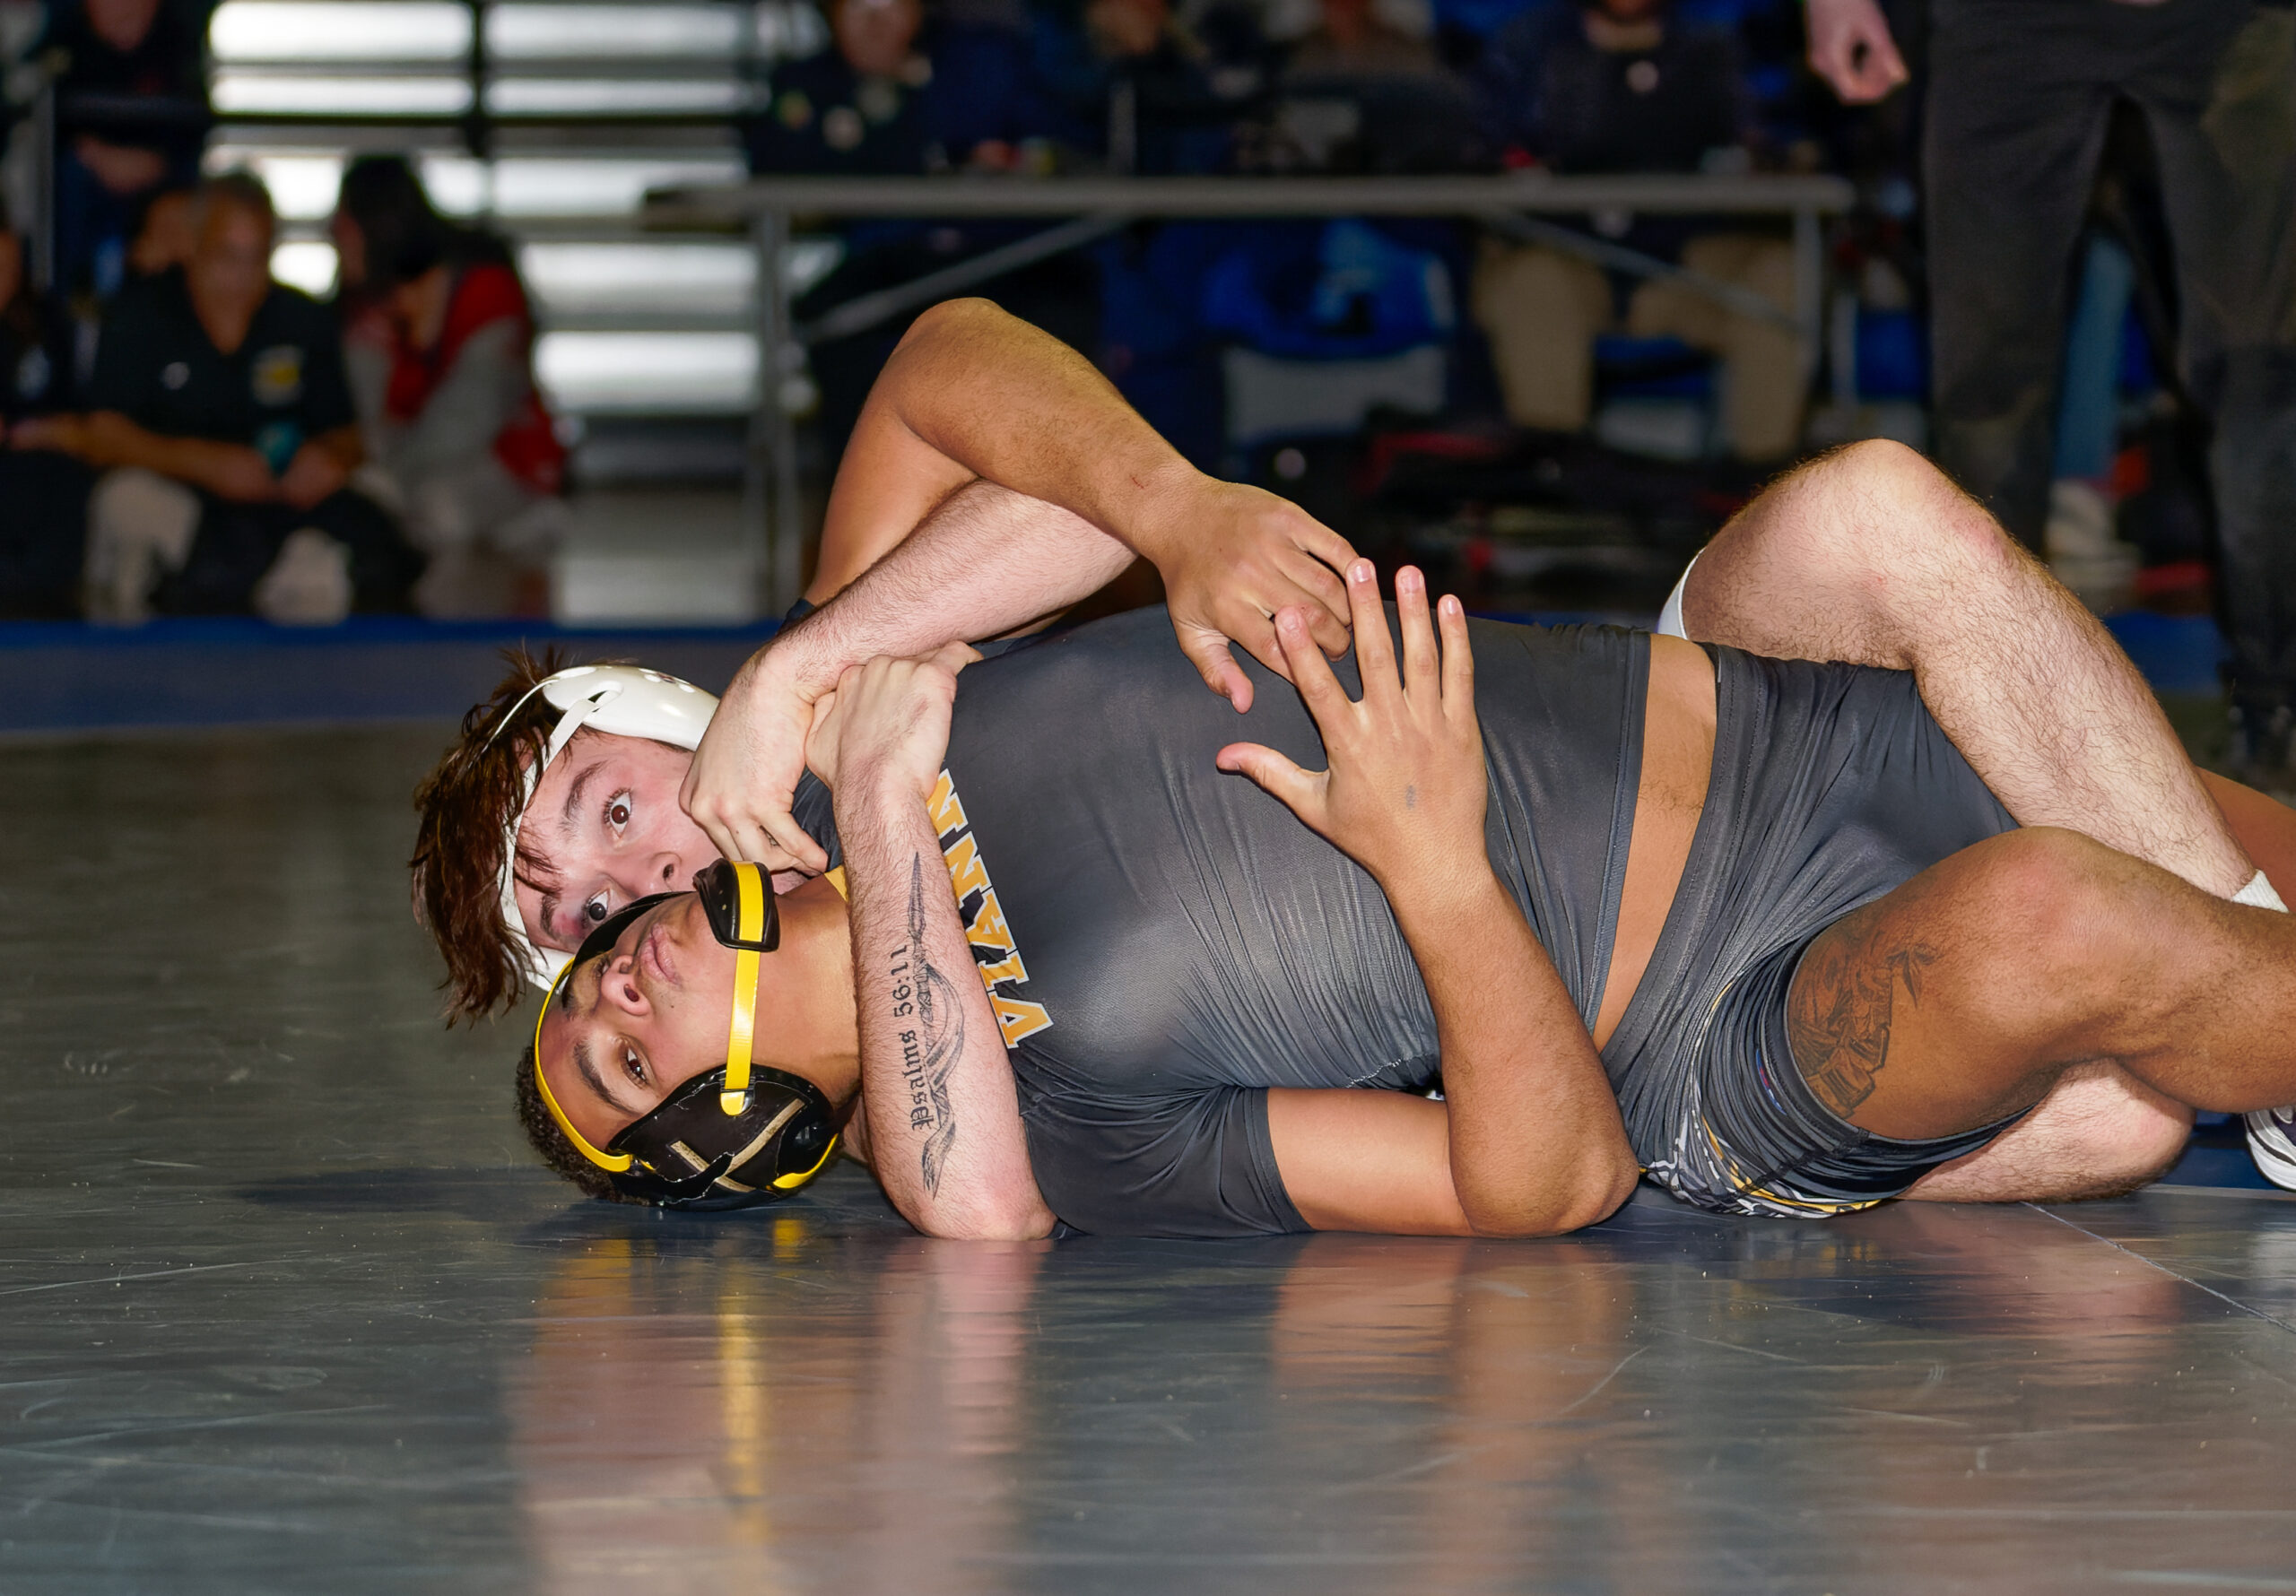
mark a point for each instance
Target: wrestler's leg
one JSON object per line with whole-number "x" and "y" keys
{"x": 1964, "y": 995}
{"x": 1871, "y": 556}
{"x": 2099, "y": 1132}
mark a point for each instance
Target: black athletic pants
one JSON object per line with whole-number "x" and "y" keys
{"x": 237, "y": 542}
{"x": 43, "y": 534}
{"x": 2018, "y": 100}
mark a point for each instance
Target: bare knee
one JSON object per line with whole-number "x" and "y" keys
{"x": 2054, "y": 901}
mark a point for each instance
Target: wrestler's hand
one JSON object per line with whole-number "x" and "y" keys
{"x": 745, "y": 773}
{"x": 1232, "y": 555}
{"x": 887, "y": 725}
{"x": 1405, "y": 794}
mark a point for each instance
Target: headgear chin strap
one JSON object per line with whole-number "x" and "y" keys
{"x": 732, "y": 1137}
{"x": 622, "y": 699}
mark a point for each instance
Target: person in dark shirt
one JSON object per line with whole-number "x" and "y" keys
{"x": 1148, "y": 94}
{"x": 131, "y": 116}
{"x": 43, "y": 489}
{"x": 900, "y": 96}
{"x": 222, "y": 422}
{"x": 1622, "y": 86}
{"x": 896, "y": 98}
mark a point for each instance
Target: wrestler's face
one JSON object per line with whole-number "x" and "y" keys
{"x": 631, "y": 1026}
{"x": 604, "y": 830}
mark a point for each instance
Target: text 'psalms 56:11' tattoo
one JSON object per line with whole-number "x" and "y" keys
{"x": 930, "y": 1025}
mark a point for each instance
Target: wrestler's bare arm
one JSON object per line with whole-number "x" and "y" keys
{"x": 944, "y": 1120}
{"x": 995, "y": 478}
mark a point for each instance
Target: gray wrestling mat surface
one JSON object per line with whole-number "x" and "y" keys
{"x": 284, "y": 1307}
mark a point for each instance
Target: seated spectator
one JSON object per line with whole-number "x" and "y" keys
{"x": 131, "y": 116}
{"x": 43, "y": 491}
{"x": 1621, "y": 86}
{"x": 440, "y": 341}
{"x": 1148, "y": 94}
{"x": 223, "y": 425}
{"x": 1354, "y": 40}
{"x": 163, "y": 236}
{"x": 897, "y": 97}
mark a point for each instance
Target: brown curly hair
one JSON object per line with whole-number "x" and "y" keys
{"x": 542, "y": 1132}
{"x": 466, "y": 804}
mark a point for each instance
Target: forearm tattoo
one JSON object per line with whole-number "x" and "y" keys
{"x": 1838, "y": 1018}
{"x": 930, "y": 1025}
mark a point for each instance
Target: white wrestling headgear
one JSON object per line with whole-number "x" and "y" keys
{"x": 624, "y": 701}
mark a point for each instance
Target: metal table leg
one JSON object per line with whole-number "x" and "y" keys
{"x": 1809, "y": 286}
{"x": 773, "y": 540}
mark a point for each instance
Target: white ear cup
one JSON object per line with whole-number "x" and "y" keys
{"x": 625, "y": 701}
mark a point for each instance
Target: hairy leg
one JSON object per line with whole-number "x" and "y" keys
{"x": 1966, "y": 994}
{"x": 1871, "y": 556}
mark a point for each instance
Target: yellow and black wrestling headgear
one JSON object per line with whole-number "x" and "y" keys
{"x": 732, "y": 1137}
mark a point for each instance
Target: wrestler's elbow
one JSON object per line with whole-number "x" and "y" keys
{"x": 1591, "y": 1192}
{"x": 1012, "y": 1215}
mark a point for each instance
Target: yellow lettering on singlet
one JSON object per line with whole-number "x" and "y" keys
{"x": 1008, "y": 968}
{"x": 945, "y": 808}
{"x": 988, "y": 929}
{"x": 967, "y": 873}
{"x": 1018, "y": 1019}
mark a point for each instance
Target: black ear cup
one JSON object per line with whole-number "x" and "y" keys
{"x": 690, "y": 1154}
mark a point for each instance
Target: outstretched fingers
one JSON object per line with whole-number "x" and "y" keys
{"x": 1422, "y": 681}
{"x": 1311, "y": 673}
{"x": 1375, "y": 656}
{"x": 1299, "y": 790}
{"x": 1458, "y": 660}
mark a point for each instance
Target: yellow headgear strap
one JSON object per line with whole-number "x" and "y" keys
{"x": 612, "y": 1163}
{"x": 749, "y": 924}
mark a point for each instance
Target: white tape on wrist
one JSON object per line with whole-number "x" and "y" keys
{"x": 2259, "y": 894}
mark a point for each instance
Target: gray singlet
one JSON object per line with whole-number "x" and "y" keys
{"x": 1173, "y": 942}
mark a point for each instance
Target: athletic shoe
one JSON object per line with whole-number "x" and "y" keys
{"x": 2272, "y": 1142}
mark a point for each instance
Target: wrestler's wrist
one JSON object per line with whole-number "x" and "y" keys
{"x": 1444, "y": 893}
{"x": 1153, "y": 522}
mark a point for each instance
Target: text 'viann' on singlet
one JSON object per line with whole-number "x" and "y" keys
{"x": 1164, "y": 942}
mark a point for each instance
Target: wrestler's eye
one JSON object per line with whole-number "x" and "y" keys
{"x": 632, "y": 1066}
{"x": 618, "y": 808}
{"x": 595, "y": 909}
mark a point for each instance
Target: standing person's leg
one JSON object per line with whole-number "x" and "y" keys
{"x": 1961, "y": 997}
{"x": 2016, "y": 108}
{"x": 1869, "y": 556}
{"x": 2222, "y": 106}
{"x": 43, "y": 532}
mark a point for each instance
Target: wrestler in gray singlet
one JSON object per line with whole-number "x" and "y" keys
{"x": 1164, "y": 942}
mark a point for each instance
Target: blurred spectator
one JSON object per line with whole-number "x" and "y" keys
{"x": 898, "y": 98}
{"x": 456, "y": 428}
{"x": 1622, "y": 86}
{"x": 43, "y": 491}
{"x": 131, "y": 115}
{"x": 222, "y": 422}
{"x": 1148, "y": 94}
{"x": 163, "y": 236}
{"x": 2019, "y": 97}
{"x": 1354, "y": 39}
